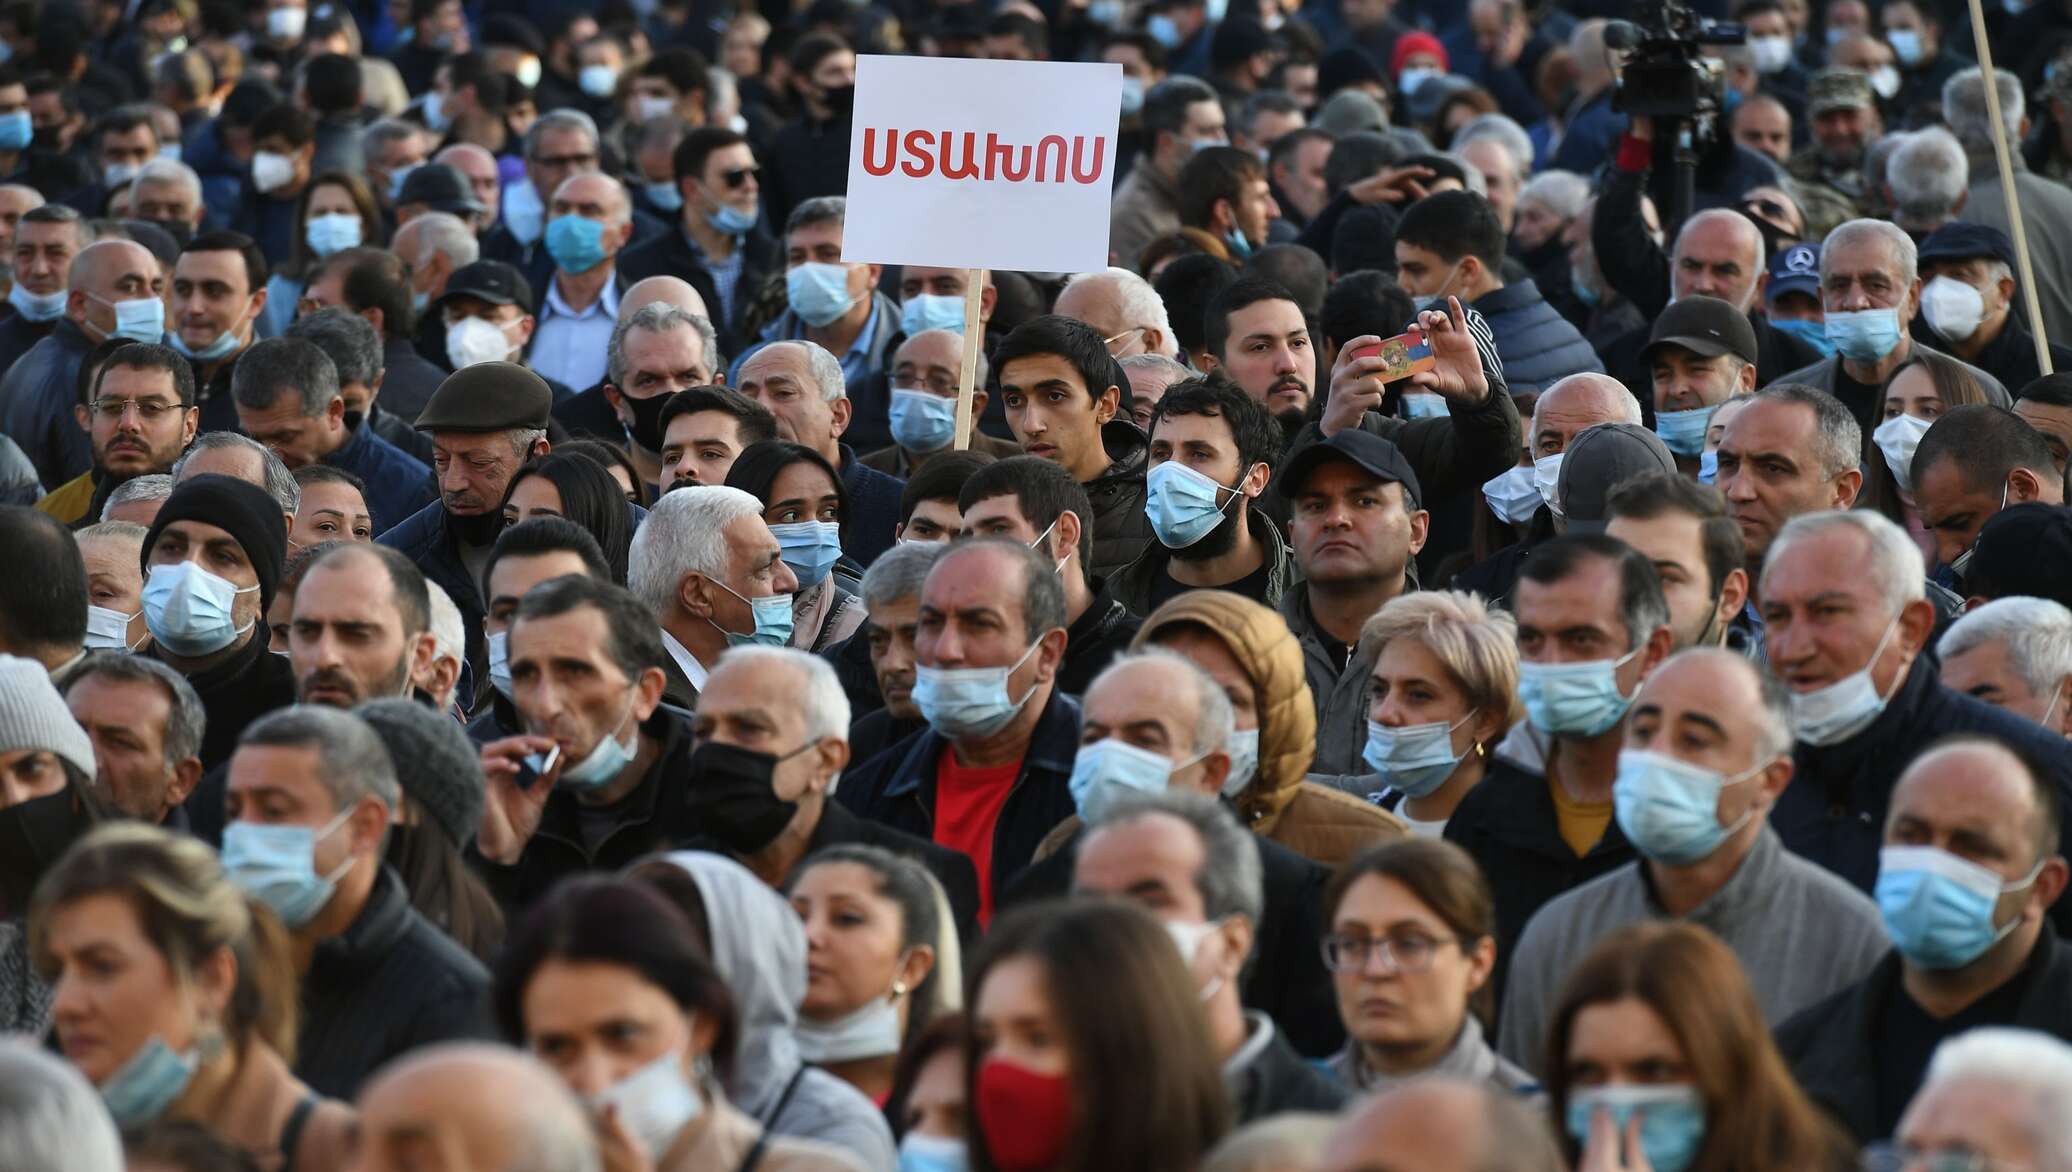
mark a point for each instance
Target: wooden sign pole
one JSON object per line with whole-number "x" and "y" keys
{"x": 974, "y": 335}
{"x": 2026, "y": 274}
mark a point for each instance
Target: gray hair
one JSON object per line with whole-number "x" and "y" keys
{"x": 275, "y": 365}
{"x": 822, "y": 701}
{"x": 1503, "y": 131}
{"x": 825, "y": 367}
{"x": 562, "y": 119}
{"x": 1291, "y": 1139}
{"x": 523, "y": 438}
{"x": 1213, "y": 722}
{"x": 449, "y": 630}
{"x": 1893, "y": 562}
{"x": 138, "y": 490}
{"x": 1837, "y": 437}
{"x": 445, "y": 234}
{"x": 899, "y": 573}
{"x": 186, "y": 720}
{"x": 684, "y": 534}
{"x": 170, "y": 171}
{"x": 1563, "y": 192}
{"x": 1173, "y": 371}
{"x": 1471, "y": 175}
{"x": 1928, "y": 174}
{"x": 2036, "y": 634}
{"x": 1230, "y": 881}
{"x": 376, "y": 139}
{"x": 658, "y": 317}
{"x": 280, "y": 483}
{"x": 51, "y": 1118}
{"x": 1774, "y": 736}
{"x": 1964, "y": 108}
{"x": 352, "y": 762}
{"x": 827, "y": 209}
{"x": 1905, "y": 255}
{"x": 2035, "y": 1065}
{"x": 346, "y": 339}
{"x": 1137, "y": 301}
{"x": 1042, "y": 594}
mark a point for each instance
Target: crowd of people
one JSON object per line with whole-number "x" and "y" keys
{"x": 508, "y": 662}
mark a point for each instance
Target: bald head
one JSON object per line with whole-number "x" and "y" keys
{"x": 1976, "y": 788}
{"x": 1719, "y": 253}
{"x": 490, "y": 1107}
{"x": 1576, "y": 403}
{"x": 593, "y": 190}
{"x": 1441, "y": 1125}
{"x": 1116, "y": 301}
{"x": 104, "y": 273}
{"x": 674, "y": 290}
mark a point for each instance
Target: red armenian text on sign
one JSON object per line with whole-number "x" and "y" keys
{"x": 921, "y": 153}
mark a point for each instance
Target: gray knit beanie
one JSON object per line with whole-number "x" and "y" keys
{"x": 34, "y": 716}
{"x": 436, "y": 764}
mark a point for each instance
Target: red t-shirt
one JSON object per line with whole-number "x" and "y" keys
{"x": 967, "y": 805}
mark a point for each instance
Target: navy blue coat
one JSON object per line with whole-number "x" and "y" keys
{"x": 398, "y": 484}
{"x": 873, "y": 508}
{"x": 1538, "y": 346}
{"x": 36, "y": 399}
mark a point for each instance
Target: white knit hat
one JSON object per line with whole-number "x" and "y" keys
{"x": 34, "y": 716}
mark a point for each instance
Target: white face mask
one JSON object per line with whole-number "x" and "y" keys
{"x": 1833, "y": 714}
{"x": 1954, "y": 308}
{"x": 1243, "y": 747}
{"x": 108, "y": 630}
{"x": 654, "y": 1103}
{"x": 1546, "y": 476}
{"x": 271, "y": 172}
{"x": 870, "y": 1032}
{"x": 473, "y": 339}
{"x": 1897, "y": 438}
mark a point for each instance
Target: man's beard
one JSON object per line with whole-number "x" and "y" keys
{"x": 1220, "y": 540}
{"x": 394, "y": 685}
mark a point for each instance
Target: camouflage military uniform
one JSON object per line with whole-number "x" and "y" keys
{"x": 1828, "y": 194}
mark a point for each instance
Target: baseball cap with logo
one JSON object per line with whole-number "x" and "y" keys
{"x": 1794, "y": 270}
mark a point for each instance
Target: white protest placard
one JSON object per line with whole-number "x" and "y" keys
{"x": 967, "y": 164}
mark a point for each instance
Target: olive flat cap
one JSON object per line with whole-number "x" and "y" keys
{"x": 488, "y": 396}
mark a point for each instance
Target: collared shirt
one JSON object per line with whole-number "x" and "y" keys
{"x": 685, "y": 662}
{"x": 569, "y": 347}
{"x": 726, "y": 274}
{"x": 856, "y": 364}
{"x": 1259, "y": 1037}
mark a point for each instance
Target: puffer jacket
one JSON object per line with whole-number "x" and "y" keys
{"x": 1311, "y": 820}
{"x": 1538, "y": 346}
{"x": 1122, "y": 531}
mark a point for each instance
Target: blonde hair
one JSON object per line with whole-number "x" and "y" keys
{"x": 189, "y": 910}
{"x": 1477, "y": 645}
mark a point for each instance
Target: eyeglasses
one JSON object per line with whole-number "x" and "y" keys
{"x": 147, "y": 409}
{"x": 1399, "y": 954}
{"x": 941, "y": 384}
{"x": 1890, "y": 1157}
{"x": 738, "y": 175}
{"x": 557, "y": 161}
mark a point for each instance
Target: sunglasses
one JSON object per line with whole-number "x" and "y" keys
{"x": 738, "y": 175}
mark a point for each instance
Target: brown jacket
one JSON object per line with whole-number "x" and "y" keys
{"x": 1312, "y": 820}
{"x": 252, "y": 1112}
{"x": 720, "y": 1139}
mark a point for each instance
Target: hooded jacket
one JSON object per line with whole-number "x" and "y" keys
{"x": 1134, "y": 583}
{"x": 759, "y": 948}
{"x": 1311, "y": 820}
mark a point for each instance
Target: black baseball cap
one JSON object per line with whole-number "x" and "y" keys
{"x": 1369, "y": 451}
{"x": 441, "y": 188}
{"x": 2023, "y": 549}
{"x": 489, "y": 280}
{"x": 1958, "y": 240}
{"x": 1706, "y": 326}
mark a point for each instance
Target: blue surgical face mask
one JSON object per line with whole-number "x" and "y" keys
{"x": 1163, "y": 30}
{"x": 1240, "y": 246}
{"x": 1832, "y": 714}
{"x": 1708, "y": 467}
{"x": 1416, "y": 759}
{"x": 1683, "y": 432}
{"x": 1413, "y": 77}
{"x": 1938, "y": 908}
{"x": 396, "y": 180}
{"x": 332, "y": 233}
{"x": 576, "y": 243}
{"x": 1243, "y": 747}
{"x": 189, "y": 610}
{"x": 1437, "y": 297}
{"x": 524, "y": 213}
{"x": 605, "y": 762}
{"x": 819, "y": 292}
{"x": 731, "y": 220}
{"x": 666, "y": 196}
{"x": 38, "y": 307}
{"x": 969, "y": 701}
{"x": 772, "y": 620}
{"x": 1132, "y": 96}
{"x": 1906, "y": 45}
{"x": 1672, "y": 1120}
{"x": 923, "y": 422}
{"x": 1866, "y": 335}
{"x": 1182, "y": 504}
{"x": 1513, "y": 496}
{"x": 810, "y": 548}
{"x": 500, "y": 663}
{"x": 16, "y": 131}
{"x": 1108, "y": 768}
{"x": 277, "y": 866}
{"x": 143, "y": 1088}
{"x": 224, "y": 345}
{"x": 1670, "y": 808}
{"x": 932, "y": 1153}
{"x": 1574, "y": 699}
{"x": 1585, "y": 292}
{"x": 931, "y": 311}
{"x": 1812, "y": 333}
{"x": 141, "y": 319}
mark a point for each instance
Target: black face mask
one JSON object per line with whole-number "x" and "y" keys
{"x": 840, "y": 99}
{"x": 646, "y": 429}
{"x": 45, "y": 138}
{"x": 733, "y": 795}
{"x": 180, "y": 230}
{"x": 353, "y": 419}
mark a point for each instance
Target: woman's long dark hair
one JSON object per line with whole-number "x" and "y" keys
{"x": 755, "y": 472}
{"x": 591, "y": 498}
{"x": 444, "y": 889}
{"x": 1147, "y": 1089}
{"x": 302, "y": 259}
